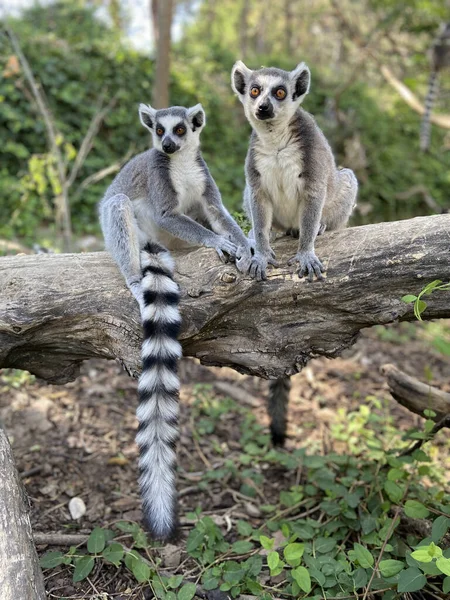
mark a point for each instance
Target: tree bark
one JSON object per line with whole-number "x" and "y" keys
{"x": 58, "y": 310}
{"x": 20, "y": 574}
{"x": 163, "y": 10}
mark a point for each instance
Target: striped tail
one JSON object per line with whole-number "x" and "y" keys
{"x": 159, "y": 387}
{"x": 277, "y": 407}
{"x": 425, "y": 127}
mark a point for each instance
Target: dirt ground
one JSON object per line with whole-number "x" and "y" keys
{"x": 77, "y": 440}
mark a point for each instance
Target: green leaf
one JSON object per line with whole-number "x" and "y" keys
{"x": 187, "y": 592}
{"x": 439, "y": 528}
{"x": 50, "y": 560}
{"x": 302, "y": 578}
{"x": 443, "y": 564}
{"x": 195, "y": 540}
{"x": 409, "y": 298}
{"x": 241, "y": 547}
{"x": 416, "y": 510}
{"x": 83, "y": 567}
{"x": 391, "y": 567}
{"x": 419, "y": 307}
{"x": 140, "y": 570}
{"x": 446, "y": 585}
{"x": 422, "y": 555}
{"x": 113, "y": 553}
{"x": 174, "y": 581}
{"x": 324, "y": 545}
{"x": 96, "y": 541}
{"x": 273, "y": 558}
{"x": 364, "y": 557}
{"x": 394, "y": 491}
{"x": 411, "y": 580}
{"x": 293, "y": 552}
{"x": 244, "y": 528}
{"x": 266, "y": 543}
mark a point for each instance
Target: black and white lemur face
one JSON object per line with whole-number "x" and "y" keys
{"x": 173, "y": 129}
{"x": 270, "y": 94}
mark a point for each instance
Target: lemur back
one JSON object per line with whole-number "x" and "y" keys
{"x": 292, "y": 183}
{"x": 163, "y": 197}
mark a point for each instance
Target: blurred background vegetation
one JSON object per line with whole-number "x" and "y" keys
{"x": 91, "y": 73}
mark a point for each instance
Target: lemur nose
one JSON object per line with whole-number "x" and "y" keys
{"x": 263, "y": 107}
{"x": 169, "y": 146}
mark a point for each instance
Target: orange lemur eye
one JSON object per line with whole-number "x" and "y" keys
{"x": 280, "y": 93}
{"x": 180, "y": 130}
{"x": 254, "y": 92}
{"x": 159, "y": 131}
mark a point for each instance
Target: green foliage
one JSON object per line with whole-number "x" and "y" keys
{"x": 79, "y": 62}
{"x": 334, "y": 534}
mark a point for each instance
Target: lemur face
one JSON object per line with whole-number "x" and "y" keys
{"x": 270, "y": 94}
{"x": 173, "y": 129}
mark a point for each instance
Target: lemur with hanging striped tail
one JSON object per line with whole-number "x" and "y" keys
{"x": 162, "y": 199}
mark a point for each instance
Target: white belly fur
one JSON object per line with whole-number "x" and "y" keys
{"x": 279, "y": 171}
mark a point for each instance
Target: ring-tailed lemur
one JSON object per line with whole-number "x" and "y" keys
{"x": 159, "y": 199}
{"x": 292, "y": 182}
{"x": 440, "y": 58}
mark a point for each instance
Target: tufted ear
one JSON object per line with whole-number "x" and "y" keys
{"x": 147, "y": 116}
{"x": 239, "y": 77}
{"x": 196, "y": 117}
{"x": 301, "y": 77}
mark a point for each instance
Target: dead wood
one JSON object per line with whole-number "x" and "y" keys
{"x": 58, "y": 310}
{"x": 20, "y": 574}
{"x": 415, "y": 395}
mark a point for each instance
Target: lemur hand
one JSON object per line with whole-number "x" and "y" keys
{"x": 309, "y": 264}
{"x": 252, "y": 245}
{"x": 244, "y": 256}
{"x": 259, "y": 264}
{"x": 221, "y": 245}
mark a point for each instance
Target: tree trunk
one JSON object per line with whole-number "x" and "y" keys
{"x": 164, "y": 9}
{"x": 20, "y": 574}
{"x": 243, "y": 28}
{"x": 58, "y": 310}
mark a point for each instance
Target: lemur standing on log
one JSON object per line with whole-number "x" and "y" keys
{"x": 159, "y": 199}
{"x": 440, "y": 58}
{"x": 292, "y": 183}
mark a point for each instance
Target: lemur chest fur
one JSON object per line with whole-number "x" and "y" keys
{"x": 280, "y": 168}
{"x": 188, "y": 180}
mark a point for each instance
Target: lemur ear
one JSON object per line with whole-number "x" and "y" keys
{"x": 239, "y": 77}
{"x": 301, "y": 77}
{"x": 147, "y": 116}
{"x": 196, "y": 116}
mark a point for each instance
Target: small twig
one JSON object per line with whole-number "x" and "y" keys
{"x": 60, "y": 539}
{"x": 386, "y": 539}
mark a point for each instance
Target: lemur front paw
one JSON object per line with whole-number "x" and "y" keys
{"x": 222, "y": 245}
{"x": 258, "y": 265}
{"x": 309, "y": 265}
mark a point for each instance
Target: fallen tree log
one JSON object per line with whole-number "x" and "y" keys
{"x": 415, "y": 395}
{"x": 58, "y": 310}
{"x": 20, "y": 574}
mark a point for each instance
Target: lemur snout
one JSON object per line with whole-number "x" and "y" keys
{"x": 169, "y": 146}
{"x": 265, "y": 111}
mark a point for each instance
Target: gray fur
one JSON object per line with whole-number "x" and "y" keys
{"x": 164, "y": 198}
{"x": 291, "y": 177}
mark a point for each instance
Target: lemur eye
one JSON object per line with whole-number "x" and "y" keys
{"x": 159, "y": 131}
{"x": 180, "y": 130}
{"x": 254, "y": 92}
{"x": 280, "y": 93}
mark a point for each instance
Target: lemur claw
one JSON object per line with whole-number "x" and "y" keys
{"x": 309, "y": 265}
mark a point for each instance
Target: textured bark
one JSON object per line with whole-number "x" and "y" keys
{"x": 163, "y": 10}
{"x": 415, "y": 395}
{"x": 57, "y": 310}
{"x": 20, "y": 574}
